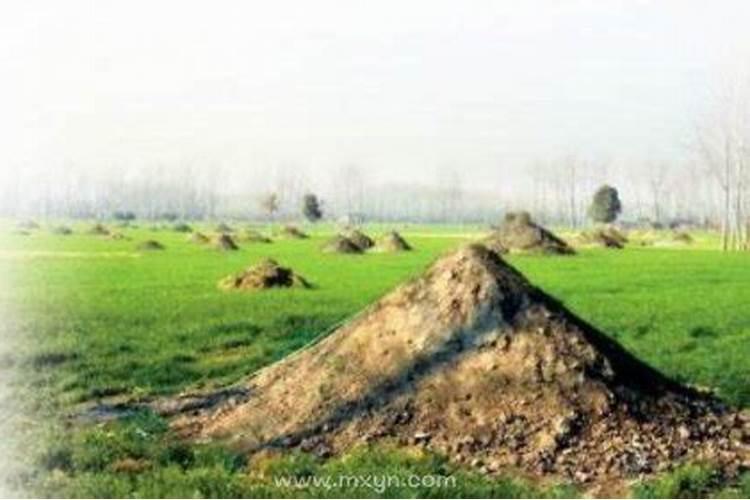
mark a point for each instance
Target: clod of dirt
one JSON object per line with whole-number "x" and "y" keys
{"x": 223, "y": 228}
{"x": 252, "y": 236}
{"x": 606, "y": 237}
{"x": 225, "y": 242}
{"x": 360, "y": 239}
{"x": 62, "y": 230}
{"x": 198, "y": 238}
{"x": 519, "y": 233}
{"x": 392, "y": 242}
{"x": 293, "y": 232}
{"x": 474, "y": 362}
{"x": 341, "y": 244}
{"x": 150, "y": 245}
{"x": 265, "y": 274}
{"x": 99, "y": 230}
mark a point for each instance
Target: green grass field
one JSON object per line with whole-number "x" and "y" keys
{"x": 97, "y": 319}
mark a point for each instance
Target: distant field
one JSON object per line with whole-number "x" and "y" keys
{"x": 99, "y": 319}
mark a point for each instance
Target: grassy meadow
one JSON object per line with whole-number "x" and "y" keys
{"x": 95, "y": 319}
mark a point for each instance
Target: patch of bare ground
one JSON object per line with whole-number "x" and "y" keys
{"x": 473, "y": 361}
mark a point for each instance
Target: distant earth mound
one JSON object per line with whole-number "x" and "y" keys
{"x": 392, "y": 242}
{"x": 198, "y": 237}
{"x": 266, "y": 274}
{"x": 150, "y": 245}
{"x": 473, "y": 361}
{"x": 519, "y": 233}
{"x": 341, "y": 244}
{"x": 360, "y": 239}
{"x": 225, "y": 242}
{"x": 293, "y": 232}
{"x": 605, "y": 237}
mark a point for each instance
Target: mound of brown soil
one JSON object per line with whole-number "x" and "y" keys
{"x": 266, "y": 274}
{"x": 251, "y": 236}
{"x": 474, "y": 362}
{"x": 99, "y": 230}
{"x": 341, "y": 244}
{"x": 225, "y": 242}
{"x": 360, "y": 239}
{"x": 150, "y": 245}
{"x": 519, "y": 233}
{"x": 392, "y": 242}
{"x": 293, "y": 232}
{"x": 600, "y": 237}
{"x": 198, "y": 238}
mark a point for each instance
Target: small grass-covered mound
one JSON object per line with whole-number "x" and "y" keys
{"x": 392, "y": 242}
{"x": 224, "y": 242}
{"x": 182, "y": 227}
{"x": 198, "y": 238}
{"x": 149, "y": 246}
{"x": 263, "y": 275}
{"x": 341, "y": 244}
{"x": 360, "y": 239}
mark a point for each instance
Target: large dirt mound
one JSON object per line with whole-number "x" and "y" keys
{"x": 392, "y": 242}
{"x": 341, "y": 244}
{"x": 519, "y": 233}
{"x": 360, "y": 239}
{"x": 224, "y": 242}
{"x": 473, "y": 361}
{"x": 266, "y": 274}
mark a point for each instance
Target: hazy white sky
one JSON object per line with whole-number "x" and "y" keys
{"x": 402, "y": 88}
